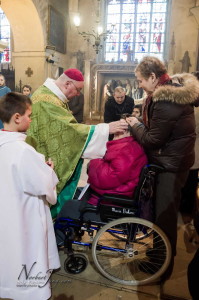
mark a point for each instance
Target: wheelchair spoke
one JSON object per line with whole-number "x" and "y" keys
{"x": 142, "y": 259}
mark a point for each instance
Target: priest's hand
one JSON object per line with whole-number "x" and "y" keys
{"x": 118, "y": 126}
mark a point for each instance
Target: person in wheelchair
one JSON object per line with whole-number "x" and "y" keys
{"x": 116, "y": 213}
{"x": 118, "y": 171}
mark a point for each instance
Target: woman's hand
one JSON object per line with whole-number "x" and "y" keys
{"x": 118, "y": 126}
{"x": 132, "y": 121}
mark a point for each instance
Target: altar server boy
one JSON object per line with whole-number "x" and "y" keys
{"x": 27, "y": 184}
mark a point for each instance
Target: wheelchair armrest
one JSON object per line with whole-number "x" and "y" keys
{"x": 88, "y": 209}
{"x": 118, "y": 199}
{"x": 155, "y": 167}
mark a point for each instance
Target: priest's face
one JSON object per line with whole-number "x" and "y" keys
{"x": 72, "y": 89}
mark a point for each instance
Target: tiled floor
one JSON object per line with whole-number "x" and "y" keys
{"x": 90, "y": 285}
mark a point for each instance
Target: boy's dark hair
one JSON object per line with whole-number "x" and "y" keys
{"x": 11, "y": 104}
{"x": 27, "y": 86}
{"x": 139, "y": 106}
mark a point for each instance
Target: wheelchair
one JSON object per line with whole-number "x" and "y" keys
{"x": 127, "y": 248}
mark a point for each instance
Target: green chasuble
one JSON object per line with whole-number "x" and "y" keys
{"x": 55, "y": 133}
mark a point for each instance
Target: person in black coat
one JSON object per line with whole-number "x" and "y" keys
{"x": 76, "y": 105}
{"x": 117, "y": 105}
{"x": 167, "y": 133}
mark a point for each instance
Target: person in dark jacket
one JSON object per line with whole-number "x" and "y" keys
{"x": 76, "y": 105}
{"x": 117, "y": 105}
{"x": 167, "y": 134}
{"x": 189, "y": 191}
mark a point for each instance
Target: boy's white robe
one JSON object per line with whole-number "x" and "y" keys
{"x": 28, "y": 248}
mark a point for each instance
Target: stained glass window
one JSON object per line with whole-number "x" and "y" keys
{"x": 139, "y": 29}
{"x": 5, "y": 37}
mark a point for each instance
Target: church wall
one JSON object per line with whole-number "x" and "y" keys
{"x": 67, "y": 8}
{"x": 181, "y": 23}
{"x": 86, "y": 10}
{"x": 60, "y": 6}
{"x": 185, "y": 29}
{"x": 27, "y": 40}
{"x": 80, "y": 53}
{"x": 29, "y": 26}
{"x": 29, "y": 23}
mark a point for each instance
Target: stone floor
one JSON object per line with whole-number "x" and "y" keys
{"x": 91, "y": 285}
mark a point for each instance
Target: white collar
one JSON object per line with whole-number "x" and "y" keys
{"x": 50, "y": 84}
{"x": 11, "y": 136}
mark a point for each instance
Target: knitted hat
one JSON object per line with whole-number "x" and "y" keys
{"x": 74, "y": 74}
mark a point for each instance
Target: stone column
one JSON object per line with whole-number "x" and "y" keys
{"x": 195, "y": 12}
{"x": 87, "y": 84}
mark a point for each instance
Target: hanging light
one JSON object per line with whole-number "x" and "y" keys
{"x": 94, "y": 37}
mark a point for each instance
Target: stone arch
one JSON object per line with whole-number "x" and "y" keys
{"x": 25, "y": 24}
{"x": 28, "y": 40}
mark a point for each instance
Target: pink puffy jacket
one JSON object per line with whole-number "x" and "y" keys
{"x": 118, "y": 171}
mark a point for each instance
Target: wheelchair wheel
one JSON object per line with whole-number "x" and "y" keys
{"x": 128, "y": 259}
{"x": 75, "y": 264}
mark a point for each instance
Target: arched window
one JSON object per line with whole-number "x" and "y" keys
{"x": 4, "y": 37}
{"x": 139, "y": 29}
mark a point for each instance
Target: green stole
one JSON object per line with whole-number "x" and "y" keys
{"x": 55, "y": 133}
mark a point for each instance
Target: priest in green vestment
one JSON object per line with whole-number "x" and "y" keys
{"x": 55, "y": 133}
